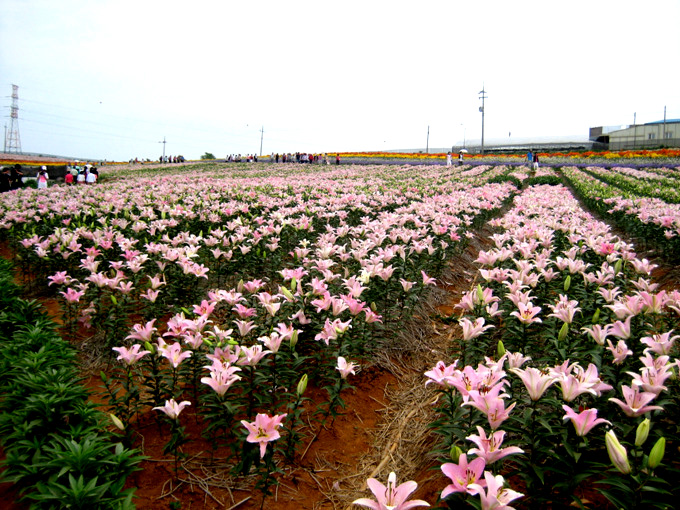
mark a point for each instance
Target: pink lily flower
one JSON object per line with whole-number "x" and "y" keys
{"x": 263, "y": 430}
{"x": 390, "y": 497}
{"x": 489, "y": 448}
{"x": 244, "y": 327}
{"x": 660, "y": 344}
{"x": 597, "y": 333}
{"x": 345, "y": 368}
{"x": 527, "y": 313}
{"x": 130, "y": 356}
{"x": 142, "y": 333}
{"x": 172, "y": 408}
{"x": 573, "y": 386}
{"x": 150, "y": 295}
{"x": 496, "y": 496}
{"x": 427, "y": 280}
{"x": 406, "y": 285}
{"x": 338, "y": 306}
{"x": 653, "y": 303}
{"x": 467, "y": 302}
{"x": 253, "y": 286}
{"x": 516, "y": 359}
{"x": 222, "y": 379}
{"x": 173, "y": 353}
{"x": 643, "y": 266}
{"x": 636, "y": 402}
{"x": 243, "y": 311}
{"x": 621, "y": 329}
{"x": 473, "y": 330}
{"x": 251, "y": 356}
{"x": 651, "y": 379}
{"x": 272, "y": 342}
{"x": 371, "y": 316}
{"x": 463, "y": 475}
{"x": 354, "y": 306}
{"x": 323, "y": 303}
{"x": 620, "y": 351}
{"x": 225, "y": 355}
{"x": 71, "y": 295}
{"x": 205, "y": 308}
{"x": 583, "y": 421}
{"x": 59, "y": 278}
{"x": 535, "y": 381}
{"x": 286, "y": 331}
{"x": 441, "y": 374}
{"x": 491, "y": 404}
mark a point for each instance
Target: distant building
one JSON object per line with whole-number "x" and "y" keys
{"x": 640, "y": 136}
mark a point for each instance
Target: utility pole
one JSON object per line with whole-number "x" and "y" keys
{"x": 664, "y": 123}
{"x": 261, "y": 138}
{"x": 427, "y": 144}
{"x": 163, "y": 142}
{"x": 12, "y": 138}
{"x": 483, "y": 96}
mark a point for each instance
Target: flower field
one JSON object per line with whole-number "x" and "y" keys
{"x": 246, "y": 309}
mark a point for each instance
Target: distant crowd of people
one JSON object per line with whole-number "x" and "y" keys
{"x": 171, "y": 159}
{"x": 298, "y": 157}
{"x": 87, "y": 174}
{"x": 13, "y": 178}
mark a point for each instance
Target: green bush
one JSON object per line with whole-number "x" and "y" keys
{"x": 58, "y": 451}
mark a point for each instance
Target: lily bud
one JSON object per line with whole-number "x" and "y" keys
{"x": 563, "y": 332}
{"x": 567, "y": 283}
{"x": 287, "y": 293}
{"x": 617, "y": 453}
{"x": 150, "y": 347}
{"x": 480, "y": 294}
{"x": 596, "y": 316}
{"x": 642, "y": 432}
{"x": 455, "y": 453}
{"x": 116, "y": 421}
{"x": 656, "y": 455}
{"x": 500, "y": 349}
{"x": 293, "y": 283}
{"x": 239, "y": 286}
{"x": 617, "y": 266}
{"x": 293, "y": 339}
{"x": 302, "y": 385}
{"x": 373, "y": 306}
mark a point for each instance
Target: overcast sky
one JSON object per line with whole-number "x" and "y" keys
{"x": 110, "y": 79}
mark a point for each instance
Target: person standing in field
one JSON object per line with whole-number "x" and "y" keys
{"x": 5, "y": 180}
{"x": 536, "y": 161}
{"x": 337, "y": 159}
{"x": 16, "y": 177}
{"x": 448, "y": 159}
{"x": 530, "y": 157}
{"x": 42, "y": 178}
{"x": 460, "y": 158}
